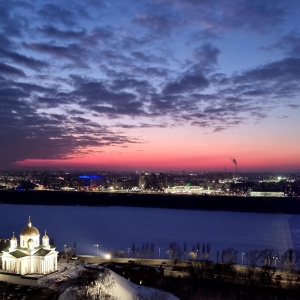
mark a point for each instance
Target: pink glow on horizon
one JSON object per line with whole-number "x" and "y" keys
{"x": 163, "y": 162}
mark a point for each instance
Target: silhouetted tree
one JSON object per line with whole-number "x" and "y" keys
{"x": 151, "y": 250}
{"x": 184, "y": 250}
{"x": 174, "y": 251}
{"x": 268, "y": 256}
{"x": 253, "y": 257}
{"x": 290, "y": 257}
{"x": 218, "y": 256}
{"x": 203, "y": 251}
{"x": 229, "y": 256}
{"x": 133, "y": 249}
{"x": 266, "y": 274}
{"x": 208, "y": 249}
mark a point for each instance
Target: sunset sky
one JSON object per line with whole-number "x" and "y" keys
{"x": 150, "y": 85}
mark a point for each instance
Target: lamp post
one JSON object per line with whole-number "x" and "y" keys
{"x": 128, "y": 252}
{"x": 96, "y": 245}
{"x": 158, "y": 252}
{"x": 275, "y": 260}
{"x": 243, "y": 258}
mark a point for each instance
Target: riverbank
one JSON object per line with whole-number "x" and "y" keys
{"x": 207, "y": 280}
{"x": 285, "y": 205}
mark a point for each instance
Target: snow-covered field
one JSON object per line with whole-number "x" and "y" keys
{"x": 106, "y": 283}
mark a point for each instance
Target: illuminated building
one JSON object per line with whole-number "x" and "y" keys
{"x": 91, "y": 181}
{"x": 30, "y": 257}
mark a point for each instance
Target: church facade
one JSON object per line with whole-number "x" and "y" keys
{"x": 29, "y": 256}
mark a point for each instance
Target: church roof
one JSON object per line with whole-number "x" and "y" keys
{"x": 18, "y": 254}
{"x": 4, "y": 243}
{"x": 30, "y": 230}
{"x": 42, "y": 252}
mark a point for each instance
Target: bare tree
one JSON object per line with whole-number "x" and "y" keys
{"x": 103, "y": 286}
{"x": 174, "y": 251}
{"x": 151, "y": 250}
{"x": 120, "y": 253}
{"x": 184, "y": 250}
{"x": 268, "y": 256}
{"x": 218, "y": 256}
{"x": 133, "y": 249}
{"x": 95, "y": 284}
{"x": 229, "y": 256}
{"x": 208, "y": 249}
{"x": 290, "y": 257}
{"x": 253, "y": 257}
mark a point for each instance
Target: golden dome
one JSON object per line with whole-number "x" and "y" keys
{"x": 29, "y": 230}
{"x": 45, "y": 236}
{"x": 13, "y": 237}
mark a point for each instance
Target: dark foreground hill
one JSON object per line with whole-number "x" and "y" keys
{"x": 194, "y": 202}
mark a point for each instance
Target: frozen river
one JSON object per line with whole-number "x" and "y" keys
{"x": 117, "y": 228}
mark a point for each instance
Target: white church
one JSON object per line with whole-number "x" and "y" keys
{"x": 29, "y": 257}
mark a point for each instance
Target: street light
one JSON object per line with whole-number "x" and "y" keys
{"x": 128, "y": 252}
{"x": 97, "y": 248}
{"x": 158, "y": 252}
{"x": 243, "y": 258}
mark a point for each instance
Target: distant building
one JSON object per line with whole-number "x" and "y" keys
{"x": 29, "y": 257}
{"x": 266, "y": 194}
{"x": 151, "y": 181}
{"x": 91, "y": 181}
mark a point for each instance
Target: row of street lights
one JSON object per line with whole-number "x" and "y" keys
{"x": 274, "y": 259}
{"x": 128, "y": 252}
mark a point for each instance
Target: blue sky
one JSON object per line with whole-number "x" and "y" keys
{"x": 161, "y": 84}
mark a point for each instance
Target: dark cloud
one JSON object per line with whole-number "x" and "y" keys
{"x": 55, "y": 14}
{"x": 30, "y": 134}
{"x": 51, "y": 31}
{"x": 187, "y": 83}
{"x": 140, "y": 86}
{"x": 160, "y": 24}
{"x": 141, "y": 125}
{"x": 147, "y": 58}
{"x": 285, "y": 70}
{"x": 92, "y": 38}
{"x": 207, "y": 55}
{"x": 6, "y": 69}
{"x": 289, "y": 44}
{"x": 72, "y": 52}
{"x": 24, "y": 60}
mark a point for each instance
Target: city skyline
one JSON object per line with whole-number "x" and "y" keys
{"x": 150, "y": 85}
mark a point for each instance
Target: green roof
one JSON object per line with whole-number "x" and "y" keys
{"x": 42, "y": 252}
{"x": 18, "y": 254}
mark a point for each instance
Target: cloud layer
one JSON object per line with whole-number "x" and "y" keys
{"x": 78, "y": 78}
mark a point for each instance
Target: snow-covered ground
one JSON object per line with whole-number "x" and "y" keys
{"x": 107, "y": 282}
